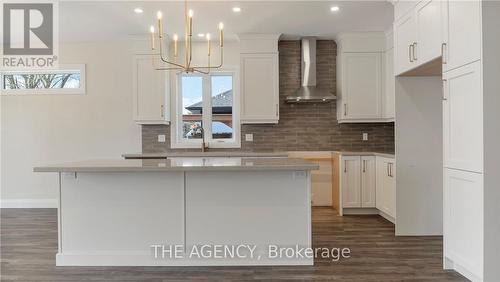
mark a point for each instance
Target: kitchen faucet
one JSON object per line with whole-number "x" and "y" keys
{"x": 204, "y": 146}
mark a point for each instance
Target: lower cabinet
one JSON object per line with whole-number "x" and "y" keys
{"x": 368, "y": 184}
{"x": 386, "y": 186}
{"x": 358, "y": 181}
{"x": 463, "y": 220}
{"x": 351, "y": 182}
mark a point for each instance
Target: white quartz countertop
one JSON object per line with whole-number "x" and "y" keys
{"x": 295, "y": 154}
{"x": 204, "y": 154}
{"x": 346, "y": 153}
{"x": 182, "y": 164}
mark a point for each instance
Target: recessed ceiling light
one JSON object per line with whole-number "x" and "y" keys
{"x": 138, "y": 10}
{"x": 201, "y": 34}
{"x": 334, "y": 8}
{"x": 236, "y": 9}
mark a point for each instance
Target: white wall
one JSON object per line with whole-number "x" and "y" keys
{"x": 419, "y": 156}
{"x": 38, "y": 130}
{"x": 491, "y": 100}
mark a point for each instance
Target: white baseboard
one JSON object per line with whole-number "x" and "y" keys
{"x": 28, "y": 203}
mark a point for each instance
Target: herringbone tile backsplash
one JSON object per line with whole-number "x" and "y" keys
{"x": 302, "y": 127}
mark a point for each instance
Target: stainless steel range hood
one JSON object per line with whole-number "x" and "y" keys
{"x": 309, "y": 93}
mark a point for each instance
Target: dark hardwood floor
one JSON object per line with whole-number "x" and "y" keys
{"x": 29, "y": 244}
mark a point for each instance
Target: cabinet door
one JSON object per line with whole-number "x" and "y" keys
{"x": 386, "y": 188}
{"x": 149, "y": 91}
{"x": 391, "y": 189}
{"x": 463, "y": 118}
{"x": 463, "y": 219}
{"x": 464, "y": 34}
{"x": 389, "y": 102}
{"x": 404, "y": 37}
{"x": 351, "y": 185}
{"x": 430, "y": 19}
{"x": 259, "y": 88}
{"x": 368, "y": 182}
{"x": 382, "y": 173}
{"x": 362, "y": 85}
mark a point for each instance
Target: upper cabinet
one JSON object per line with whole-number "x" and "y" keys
{"x": 430, "y": 23}
{"x": 419, "y": 34}
{"x": 259, "y": 71}
{"x": 404, "y": 37}
{"x": 361, "y": 86}
{"x": 150, "y": 91}
{"x": 463, "y": 41}
{"x": 361, "y": 77}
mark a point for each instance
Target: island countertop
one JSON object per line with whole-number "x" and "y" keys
{"x": 229, "y": 154}
{"x": 182, "y": 164}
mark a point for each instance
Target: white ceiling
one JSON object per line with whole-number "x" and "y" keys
{"x": 103, "y": 20}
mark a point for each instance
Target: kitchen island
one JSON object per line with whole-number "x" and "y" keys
{"x": 183, "y": 211}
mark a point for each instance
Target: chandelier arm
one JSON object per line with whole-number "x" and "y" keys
{"x": 200, "y": 71}
{"x": 214, "y": 67}
{"x": 172, "y": 63}
{"x": 169, "y": 69}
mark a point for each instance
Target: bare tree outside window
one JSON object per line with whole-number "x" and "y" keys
{"x": 41, "y": 81}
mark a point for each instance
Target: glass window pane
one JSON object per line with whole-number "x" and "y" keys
{"x": 192, "y": 107}
{"x": 67, "y": 80}
{"x": 222, "y": 107}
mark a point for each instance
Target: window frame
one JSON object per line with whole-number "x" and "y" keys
{"x": 47, "y": 91}
{"x": 177, "y": 142}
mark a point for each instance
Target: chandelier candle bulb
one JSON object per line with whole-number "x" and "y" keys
{"x": 152, "y": 37}
{"x": 221, "y": 34}
{"x": 159, "y": 15}
{"x": 190, "y": 22}
{"x": 176, "y": 38}
{"x": 208, "y": 43}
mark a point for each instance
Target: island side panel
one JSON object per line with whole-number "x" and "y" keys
{"x": 249, "y": 207}
{"x": 113, "y": 218}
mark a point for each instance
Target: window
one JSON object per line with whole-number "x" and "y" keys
{"x": 65, "y": 80}
{"x": 206, "y": 104}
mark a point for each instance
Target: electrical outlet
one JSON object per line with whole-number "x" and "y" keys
{"x": 161, "y": 138}
{"x": 249, "y": 137}
{"x": 365, "y": 136}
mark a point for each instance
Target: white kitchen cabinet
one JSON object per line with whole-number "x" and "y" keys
{"x": 463, "y": 44}
{"x": 404, "y": 37}
{"x": 386, "y": 186}
{"x": 430, "y": 23}
{"x": 150, "y": 91}
{"x": 463, "y": 118}
{"x": 463, "y": 220}
{"x": 360, "y": 88}
{"x": 420, "y": 34}
{"x": 368, "y": 183}
{"x": 259, "y": 87}
{"x": 351, "y": 182}
{"x": 389, "y": 94}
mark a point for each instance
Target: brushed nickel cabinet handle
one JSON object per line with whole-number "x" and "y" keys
{"x": 345, "y": 109}
{"x": 414, "y": 51}
{"x": 345, "y": 166}
{"x": 364, "y": 165}
{"x": 409, "y": 53}
{"x": 277, "y": 109}
{"x": 162, "y": 109}
{"x": 443, "y": 58}
{"x": 444, "y": 90}
{"x": 388, "y": 174}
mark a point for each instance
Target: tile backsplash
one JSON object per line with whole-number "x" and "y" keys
{"x": 302, "y": 127}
